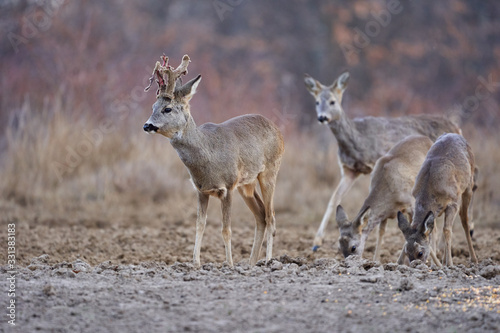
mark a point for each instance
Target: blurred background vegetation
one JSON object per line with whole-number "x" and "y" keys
{"x": 253, "y": 55}
{"x": 72, "y": 104}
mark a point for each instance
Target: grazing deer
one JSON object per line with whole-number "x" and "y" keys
{"x": 444, "y": 183}
{"x": 238, "y": 153}
{"x": 392, "y": 180}
{"x": 362, "y": 141}
{"x": 437, "y": 242}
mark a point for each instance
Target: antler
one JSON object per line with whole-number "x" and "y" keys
{"x": 166, "y": 76}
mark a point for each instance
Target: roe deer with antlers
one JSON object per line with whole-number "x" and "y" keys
{"x": 362, "y": 141}
{"x": 391, "y": 183}
{"x": 238, "y": 153}
{"x": 443, "y": 185}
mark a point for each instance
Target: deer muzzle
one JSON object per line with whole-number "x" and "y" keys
{"x": 323, "y": 119}
{"x": 150, "y": 127}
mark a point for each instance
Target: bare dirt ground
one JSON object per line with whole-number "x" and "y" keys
{"x": 128, "y": 273}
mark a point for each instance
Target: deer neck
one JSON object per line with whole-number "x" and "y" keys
{"x": 190, "y": 144}
{"x": 346, "y": 134}
{"x": 423, "y": 205}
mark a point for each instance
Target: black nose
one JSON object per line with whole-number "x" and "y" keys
{"x": 322, "y": 119}
{"x": 150, "y": 127}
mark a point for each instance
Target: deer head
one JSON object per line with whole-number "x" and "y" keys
{"x": 418, "y": 239}
{"x": 351, "y": 241}
{"x": 328, "y": 98}
{"x": 171, "y": 109}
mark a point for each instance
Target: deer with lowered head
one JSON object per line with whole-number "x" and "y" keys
{"x": 391, "y": 183}
{"x": 236, "y": 154}
{"x": 444, "y": 184}
{"x": 362, "y": 141}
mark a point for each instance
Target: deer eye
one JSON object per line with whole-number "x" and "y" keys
{"x": 332, "y": 102}
{"x": 317, "y": 103}
{"x": 166, "y": 110}
{"x": 420, "y": 254}
{"x": 353, "y": 248}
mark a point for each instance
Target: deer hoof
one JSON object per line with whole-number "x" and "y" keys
{"x": 315, "y": 248}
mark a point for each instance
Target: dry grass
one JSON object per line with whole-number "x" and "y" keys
{"x": 121, "y": 171}
{"x": 487, "y": 198}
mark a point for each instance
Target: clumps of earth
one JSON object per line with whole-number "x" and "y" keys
{"x": 287, "y": 293}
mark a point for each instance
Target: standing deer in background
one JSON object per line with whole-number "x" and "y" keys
{"x": 220, "y": 157}
{"x": 444, "y": 183}
{"x": 391, "y": 183}
{"x": 362, "y": 141}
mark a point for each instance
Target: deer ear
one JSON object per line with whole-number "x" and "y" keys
{"x": 428, "y": 224}
{"x": 341, "y": 217}
{"x": 341, "y": 83}
{"x": 359, "y": 222}
{"x": 403, "y": 224}
{"x": 189, "y": 89}
{"x": 312, "y": 85}
{"x": 178, "y": 83}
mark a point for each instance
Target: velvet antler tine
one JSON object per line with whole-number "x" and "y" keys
{"x": 182, "y": 68}
{"x": 151, "y": 79}
{"x": 165, "y": 60}
{"x": 174, "y": 74}
{"x": 166, "y": 76}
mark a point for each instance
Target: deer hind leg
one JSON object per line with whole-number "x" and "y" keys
{"x": 409, "y": 213}
{"x": 403, "y": 259}
{"x": 471, "y": 205}
{"x": 201, "y": 221}
{"x": 267, "y": 181}
{"x": 450, "y": 214}
{"x": 464, "y": 216}
{"x": 438, "y": 241}
{"x": 381, "y": 232}
{"x": 471, "y": 215}
{"x": 435, "y": 258}
{"x": 254, "y": 202}
{"x": 226, "y": 225}
{"x": 346, "y": 182}
{"x": 402, "y": 256}
{"x": 435, "y": 238}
